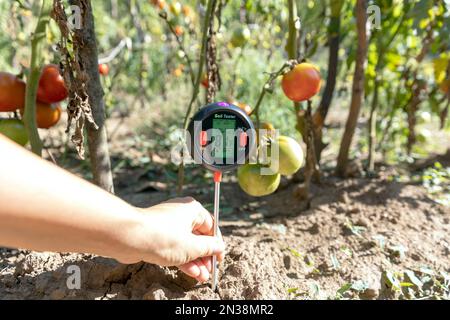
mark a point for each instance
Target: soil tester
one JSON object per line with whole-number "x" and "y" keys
{"x": 222, "y": 137}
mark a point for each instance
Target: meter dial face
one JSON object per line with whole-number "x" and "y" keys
{"x": 222, "y": 136}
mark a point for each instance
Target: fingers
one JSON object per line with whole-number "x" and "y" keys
{"x": 205, "y": 246}
{"x": 199, "y": 269}
{"x": 204, "y": 225}
{"x": 208, "y": 263}
{"x": 203, "y": 222}
{"x": 204, "y": 272}
{"x": 191, "y": 269}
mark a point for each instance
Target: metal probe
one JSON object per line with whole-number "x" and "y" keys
{"x": 217, "y": 179}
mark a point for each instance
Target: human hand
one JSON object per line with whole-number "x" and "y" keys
{"x": 84, "y": 218}
{"x": 175, "y": 233}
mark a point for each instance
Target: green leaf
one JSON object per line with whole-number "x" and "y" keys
{"x": 406, "y": 284}
{"x": 344, "y": 288}
{"x": 295, "y": 253}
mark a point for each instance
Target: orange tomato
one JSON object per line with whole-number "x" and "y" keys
{"x": 179, "y": 30}
{"x": 159, "y": 3}
{"x": 205, "y": 82}
{"x": 47, "y": 115}
{"x": 302, "y": 82}
{"x": 188, "y": 13}
{"x": 445, "y": 86}
{"x": 51, "y": 85}
{"x": 178, "y": 72}
{"x": 12, "y": 92}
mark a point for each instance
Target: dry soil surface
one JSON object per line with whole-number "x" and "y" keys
{"x": 356, "y": 234}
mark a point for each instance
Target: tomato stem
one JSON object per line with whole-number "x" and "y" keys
{"x": 37, "y": 42}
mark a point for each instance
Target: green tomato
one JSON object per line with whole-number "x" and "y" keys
{"x": 175, "y": 8}
{"x": 15, "y": 130}
{"x": 254, "y": 183}
{"x": 240, "y": 36}
{"x": 290, "y": 155}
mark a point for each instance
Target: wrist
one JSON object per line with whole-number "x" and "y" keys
{"x": 133, "y": 237}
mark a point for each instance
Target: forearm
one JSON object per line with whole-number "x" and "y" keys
{"x": 45, "y": 208}
{"x": 42, "y": 207}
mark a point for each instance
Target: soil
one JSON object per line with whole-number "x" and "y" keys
{"x": 353, "y": 232}
{"x": 273, "y": 245}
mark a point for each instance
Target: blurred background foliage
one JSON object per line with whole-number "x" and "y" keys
{"x": 150, "y": 76}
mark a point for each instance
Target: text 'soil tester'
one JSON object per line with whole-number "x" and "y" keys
{"x": 222, "y": 138}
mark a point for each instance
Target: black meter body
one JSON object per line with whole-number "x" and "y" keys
{"x": 222, "y": 136}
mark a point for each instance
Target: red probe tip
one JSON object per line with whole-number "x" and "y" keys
{"x": 217, "y": 176}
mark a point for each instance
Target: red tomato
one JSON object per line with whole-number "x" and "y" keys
{"x": 103, "y": 68}
{"x": 51, "y": 85}
{"x": 12, "y": 92}
{"x": 302, "y": 82}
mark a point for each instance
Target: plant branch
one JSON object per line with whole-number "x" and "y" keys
{"x": 268, "y": 86}
{"x": 37, "y": 44}
{"x": 163, "y": 15}
{"x": 206, "y": 23}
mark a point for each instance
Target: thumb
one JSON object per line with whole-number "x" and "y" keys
{"x": 205, "y": 246}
